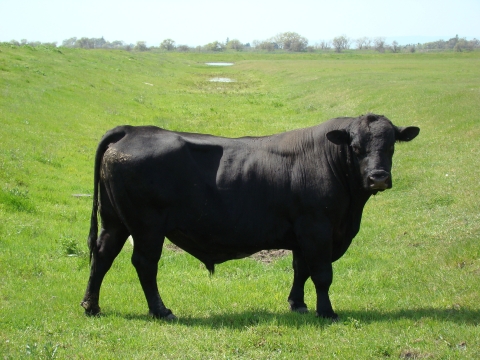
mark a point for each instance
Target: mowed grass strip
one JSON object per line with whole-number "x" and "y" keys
{"x": 408, "y": 287}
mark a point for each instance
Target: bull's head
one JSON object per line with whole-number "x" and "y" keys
{"x": 371, "y": 141}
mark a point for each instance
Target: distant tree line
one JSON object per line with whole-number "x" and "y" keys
{"x": 456, "y": 44}
{"x": 101, "y": 43}
{"x": 24, "y": 42}
{"x": 287, "y": 41}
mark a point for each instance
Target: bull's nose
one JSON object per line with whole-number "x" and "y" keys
{"x": 379, "y": 181}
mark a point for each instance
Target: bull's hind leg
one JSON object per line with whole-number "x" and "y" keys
{"x": 104, "y": 250}
{"x": 108, "y": 246}
{"x": 146, "y": 254}
{"x": 301, "y": 273}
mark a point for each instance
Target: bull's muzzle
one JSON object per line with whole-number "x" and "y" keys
{"x": 379, "y": 180}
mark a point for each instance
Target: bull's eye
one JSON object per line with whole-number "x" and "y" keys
{"x": 357, "y": 149}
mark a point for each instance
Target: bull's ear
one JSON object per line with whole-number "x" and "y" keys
{"x": 407, "y": 133}
{"x": 339, "y": 137}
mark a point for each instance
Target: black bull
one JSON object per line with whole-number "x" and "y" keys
{"x": 221, "y": 199}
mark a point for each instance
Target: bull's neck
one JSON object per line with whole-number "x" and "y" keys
{"x": 340, "y": 158}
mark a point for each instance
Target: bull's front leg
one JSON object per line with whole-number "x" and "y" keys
{"x": 322, "y": 278}
{"x": 315, "y": 238}
{"x": 301, "y": 273}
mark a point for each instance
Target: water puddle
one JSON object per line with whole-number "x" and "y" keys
{"x": 221, "y": 80}
{"x": 219, "y": 64}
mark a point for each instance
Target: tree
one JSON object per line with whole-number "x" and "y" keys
{"x": 395, "y": 47}
{"x": 475, "y": 43}
{"x": 215, "y": 46}
{"x": 183, "y": 48}
{"x": 368, "y": 43}
{"x": 85, "y": 43}
{"x": 99, "y": 43}
{"x": 117, "y": 44}
{"x": 69, "y": 42}
{"x": 234, "y": 45}
{"x": 291, "y": 41}
{"x": 141, "y": 46}
{"x": 363, "y": 43}
{"x": 452, "y": 42}
{"x": 463, "y": 44}
{"x": 264, "y": 45}
{"x": 341, "y": 43}
{"x": 168, "y": 44}
{"x": 379, "y": 44}
{"x": 324, "y": 45}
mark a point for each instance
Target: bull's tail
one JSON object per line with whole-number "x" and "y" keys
{"x": 112, "y": 136}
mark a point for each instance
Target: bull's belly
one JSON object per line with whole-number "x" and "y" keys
{"x": 216, "y": 248}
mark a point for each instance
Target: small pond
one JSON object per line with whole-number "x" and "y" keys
{"x": 221, "y": 79}
{"x": 219, "y": 64}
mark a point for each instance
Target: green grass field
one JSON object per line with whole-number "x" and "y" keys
{"x": 408, "y": 287}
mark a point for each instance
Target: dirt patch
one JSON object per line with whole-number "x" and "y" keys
{"x": 414, "y": 354}
{"x": 268, "y": 256}
{"x": 173, "y": 247}
{"x": 265, "y": 256}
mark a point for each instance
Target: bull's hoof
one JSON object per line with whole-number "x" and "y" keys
{"x": 301, "y": 309}
{"x": 166, "y": 315}
{"x": 90, "y": 309}
{"x": 170, "y": 317}
{"x": 328, "y": 315}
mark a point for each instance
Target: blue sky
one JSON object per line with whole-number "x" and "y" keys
{"x": 200, "y": 22}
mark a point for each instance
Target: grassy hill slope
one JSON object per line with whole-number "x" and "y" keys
{"x": 408, "y": 286}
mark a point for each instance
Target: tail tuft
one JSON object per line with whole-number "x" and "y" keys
{"x": 210, "y": 267}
